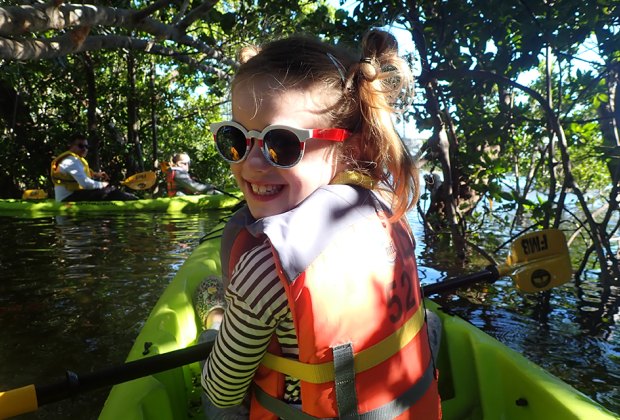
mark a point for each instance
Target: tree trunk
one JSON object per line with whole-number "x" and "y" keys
{"x": 442, "y": 146}
{"x": 92, "y": 123}
{"x": 135, "y": 160}
{"x": 609, "y": 114}
{"x": 153, "y": 113}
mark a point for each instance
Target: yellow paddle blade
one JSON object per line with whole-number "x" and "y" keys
{"x": 34, "y": 195}
{"x": 539, "y": 261}
{"x": 18, "y": 401}
{"x": 141, "y": 181}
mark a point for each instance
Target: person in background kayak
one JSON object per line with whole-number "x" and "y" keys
{"x": 178, "y": 180}
{"x": 75, "y": 181}
{"x": 323, "y": 307}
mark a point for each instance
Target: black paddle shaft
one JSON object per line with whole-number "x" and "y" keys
{"x": 225, "y": 192}
{"x": 76, "y": 384}
{"x": 488, "y": 275}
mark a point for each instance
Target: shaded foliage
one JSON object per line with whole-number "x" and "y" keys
{"x": 141, "y": 100}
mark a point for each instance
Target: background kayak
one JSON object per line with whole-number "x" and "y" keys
{"x": 184, "y": 204}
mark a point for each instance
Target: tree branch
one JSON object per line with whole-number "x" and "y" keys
{"x": 196, "y": 14}
{"x": 58, "y": 47}
{"x": 16, "y": 20}
{"x": 150, "y": 9}
{"x": 22, "y": 20}
{"x": 599, "y": 238}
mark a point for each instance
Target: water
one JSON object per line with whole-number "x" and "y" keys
{"x": 573, "y": 331}
{"x": 74, "y": 292}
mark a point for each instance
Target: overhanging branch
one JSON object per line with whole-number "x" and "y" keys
{"x": 47, "y": 49}
{"x": 16, "y": 22}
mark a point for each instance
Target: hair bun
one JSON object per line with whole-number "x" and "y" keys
{"x": 377, "y": 43}
{"x": 247, "y": 52}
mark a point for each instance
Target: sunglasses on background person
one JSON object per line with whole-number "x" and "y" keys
{"x": 282, "y": 146}
{"x": 82, "y": 146}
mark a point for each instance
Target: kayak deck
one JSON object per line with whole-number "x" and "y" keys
{"x": 184, "y": 204}
{"x": 479, "y": 378}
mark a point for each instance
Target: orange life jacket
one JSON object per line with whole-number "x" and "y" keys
{"x": 171, "y": 186}
{"x": 59, "y": 178}
{"x": 351, "y": 281}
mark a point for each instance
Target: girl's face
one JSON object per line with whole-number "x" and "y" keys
{"x": 269, "y": 190}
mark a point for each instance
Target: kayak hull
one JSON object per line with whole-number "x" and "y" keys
{"x": 184, "y": 204}
{"x": 479, "y": 378}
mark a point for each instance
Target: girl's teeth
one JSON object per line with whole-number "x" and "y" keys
{"x": 266, "y": 189}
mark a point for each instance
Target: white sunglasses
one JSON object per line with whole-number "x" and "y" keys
{"x": 282, "y": 146}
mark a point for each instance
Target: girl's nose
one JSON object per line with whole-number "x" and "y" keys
{"x": 255, "y": 158}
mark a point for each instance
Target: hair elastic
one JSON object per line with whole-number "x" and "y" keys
{"x": 338, "y": 66}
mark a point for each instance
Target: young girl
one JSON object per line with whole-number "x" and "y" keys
{"x": 324, "y": 315}
{"x": 178, "y": 180}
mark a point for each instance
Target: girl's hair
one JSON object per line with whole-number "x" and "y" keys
{"x": 368, "y": 89}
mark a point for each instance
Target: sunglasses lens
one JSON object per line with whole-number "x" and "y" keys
{"x": 283, "y": 147}
{"x": 231, "y": 143}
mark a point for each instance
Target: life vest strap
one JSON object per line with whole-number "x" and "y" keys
{"x": 364, "y": 360}
{"x": 344, "y": 381}
{"x": 279, "y": 407}
{"x": 393, "y": 409}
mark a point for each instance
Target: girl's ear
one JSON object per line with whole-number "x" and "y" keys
{"x": 352, "y": 149}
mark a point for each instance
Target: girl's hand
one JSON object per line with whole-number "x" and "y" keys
{"x": 214, "y": 318}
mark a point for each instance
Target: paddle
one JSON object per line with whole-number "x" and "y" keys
{"x": 141, "y": 180}
{"x": 29, "y": 398}
{"x": 537, "y": 261}
{"x": 225, "y": 192}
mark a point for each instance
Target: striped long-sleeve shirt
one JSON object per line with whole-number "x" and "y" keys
{"x": 257, "y": 308}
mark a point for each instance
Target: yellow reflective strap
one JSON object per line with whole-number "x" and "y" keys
{"x": 364, "y": 360}
{"x": 313, "y": 373}
{"x": 389, "y": 346}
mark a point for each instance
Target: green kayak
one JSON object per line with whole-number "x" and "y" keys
{"x": 480, "y": 378}
{"x": 185, "y": 204}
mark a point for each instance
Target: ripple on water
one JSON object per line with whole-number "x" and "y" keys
{"x": 75, "y": 292}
